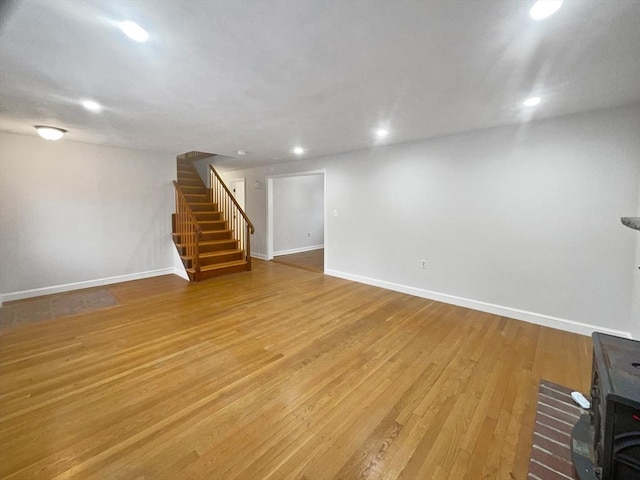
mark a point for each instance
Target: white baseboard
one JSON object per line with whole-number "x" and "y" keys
{"x": 67, "y": 287}
{"x": 297, "y": 250}
{"x": 259, "y": 256}
{"x": 531, "y": 317}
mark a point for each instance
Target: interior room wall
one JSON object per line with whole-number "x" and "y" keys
{"x": 73, "y": 213}
{"x": 635, "y": 311}
{"x": 298, "y": 213}
{"x": 521, "y": 220}
{"x": 202, "y": 166}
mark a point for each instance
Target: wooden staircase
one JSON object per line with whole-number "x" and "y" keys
{"x": 210, "y": 230}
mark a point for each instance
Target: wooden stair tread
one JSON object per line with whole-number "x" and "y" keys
{"x": 219, "y": 266}
{"x": 205, "y": 224}
{"x": 209, "y": 206}
{"x": 216, "y": 242}
{"x": 175, "y": 234}
{"x": 219, "y": 253}
{"x": 208, "y": 243}
{"x": 190, "y": 182}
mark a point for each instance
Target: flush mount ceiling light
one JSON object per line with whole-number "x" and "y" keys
{"x": 531, "y": 102}
{"x": 298, "y": 150}
{"x": 382, "y": 132}
{"x": 242, "y": 152}
{"x": 134, "y": 31}
{"x": 50, "y": 133}
{"x": 91, "y": 105}
{"x": 544, "y": 8}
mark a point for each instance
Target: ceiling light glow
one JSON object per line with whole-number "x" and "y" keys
{"x": 50, "y": 133}
{"x": 242, "y": 152}
{"x": 134, "y": 31}
{"x": 298, "y": 150}
{"x": 531, "y": 102}
{"x": 381, "y": 132}
{"x": 91, "y": 105}
{"x": 544, "y": 8}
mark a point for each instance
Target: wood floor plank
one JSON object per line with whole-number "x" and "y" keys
{"x": 276, "y": 373}
{"x": 312, "y": 260}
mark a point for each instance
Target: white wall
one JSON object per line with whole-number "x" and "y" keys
{"x": 520, "y": 220}
{"x": 298, "y": 213}
{"x": 635, "y": 311}
{"x": 73, "y": 212}
{"x": 202, "y": 166}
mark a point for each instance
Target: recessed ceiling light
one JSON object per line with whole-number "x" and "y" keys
{"x": 544, "y": 8}
{"x": 381, "y": 132}
{"x": 242, "y": 152}
{"x": 134, "y": 31}
{"x": 91, "y": 105}
{"x": 298, "y": 150}
{"x": 531, "y": 102}
{"x": 50, "y": 133}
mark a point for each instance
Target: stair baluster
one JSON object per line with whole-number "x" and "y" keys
{"x": 232, "y": 213}
{"x": 188, "y": 228}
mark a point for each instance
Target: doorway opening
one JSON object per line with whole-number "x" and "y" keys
{"x": 296, "y": 219}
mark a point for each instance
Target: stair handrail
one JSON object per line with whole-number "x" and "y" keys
{"x": 233, "y": 199}
{"x": 183, "y": 209}
{"x": 227, "y": 204}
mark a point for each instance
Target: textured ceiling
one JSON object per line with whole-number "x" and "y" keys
{"x": 264, "y": 76}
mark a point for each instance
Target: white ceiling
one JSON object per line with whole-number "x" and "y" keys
{"x": 266, "y": 75}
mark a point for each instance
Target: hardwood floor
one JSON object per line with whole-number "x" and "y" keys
{"x": 273, "y": 374}
{"x": 23, "y": 312}
{"x": 312, "y": 260}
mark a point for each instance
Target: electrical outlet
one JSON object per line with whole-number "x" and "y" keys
{"x": 335, "y": 213}
{"x": 423, "y": 264}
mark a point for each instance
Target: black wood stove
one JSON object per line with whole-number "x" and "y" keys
{"x": 606, "y": 441}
